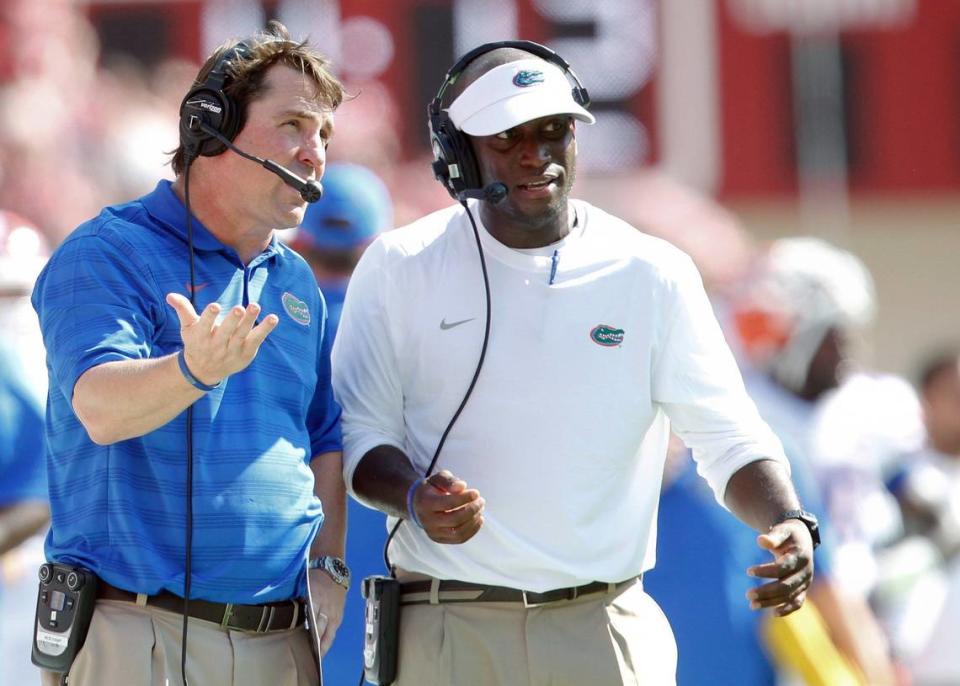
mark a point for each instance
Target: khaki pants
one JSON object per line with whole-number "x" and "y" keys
{"x": 607, "y": 639}
{"x": 129, "y": 645}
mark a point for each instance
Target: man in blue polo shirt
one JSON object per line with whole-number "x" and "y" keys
{"x": 138, "y": 330}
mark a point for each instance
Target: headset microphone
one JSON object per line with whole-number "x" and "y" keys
{"x": 492, "y": 193}
{"x": 309, "y": 190}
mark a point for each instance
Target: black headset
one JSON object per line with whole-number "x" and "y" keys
{"x": 208, "y": 103}
{"x": 454, "y": 162}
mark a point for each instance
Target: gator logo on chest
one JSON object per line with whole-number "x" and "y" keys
{"x": 606, "y": 335}
{"x": 296, "y": 308}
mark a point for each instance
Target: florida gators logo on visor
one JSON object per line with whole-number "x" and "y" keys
{"x": 527, "y": 78}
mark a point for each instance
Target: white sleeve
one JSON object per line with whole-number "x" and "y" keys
{"x": 366, "y": 379}
{"x": 697, "y": 383}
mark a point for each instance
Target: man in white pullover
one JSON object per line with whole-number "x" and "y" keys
{"x": 520, "y": 550}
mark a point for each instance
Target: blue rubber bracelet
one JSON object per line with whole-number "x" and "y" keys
{"x": 191, "y": 379}
{"x": 410, "y": 511}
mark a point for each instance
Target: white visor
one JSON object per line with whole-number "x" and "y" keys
{"x": 513, "y": 94}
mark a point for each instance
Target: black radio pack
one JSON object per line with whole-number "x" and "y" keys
{"x": 65, "y": 602}
{"x": 381, "y": 629}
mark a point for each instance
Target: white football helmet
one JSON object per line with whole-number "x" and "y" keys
{"x": 803, "y": 287}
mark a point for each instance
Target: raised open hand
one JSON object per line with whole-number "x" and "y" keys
{"x": 215, "y": 351}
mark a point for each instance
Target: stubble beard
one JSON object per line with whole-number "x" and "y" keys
{"x": 552, "y": 213}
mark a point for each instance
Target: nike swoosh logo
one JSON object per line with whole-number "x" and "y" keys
{"x": 444, "y": 325}
{"x": 199, "y": 287}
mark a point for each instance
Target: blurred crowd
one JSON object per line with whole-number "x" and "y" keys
{"x": 81, "y": 129}
{"x": 876, "y": 456}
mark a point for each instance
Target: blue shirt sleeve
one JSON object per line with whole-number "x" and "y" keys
{"x": 323, "y": 416}
{"x": 97, "y": 302}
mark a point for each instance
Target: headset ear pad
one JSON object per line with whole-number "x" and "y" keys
{"x": 452, "y": 148}
{"x": 214, "y": 109}
{"x": 441, "y": 153}
{"x": 469, "y": 168}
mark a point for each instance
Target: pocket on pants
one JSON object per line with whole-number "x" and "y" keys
{"x": 642, "y": 638}
{"x": 118, "y": 648}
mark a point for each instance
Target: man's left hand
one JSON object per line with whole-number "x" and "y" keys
{"x": 792, "y": 568}
{"x": 328, "y": 599}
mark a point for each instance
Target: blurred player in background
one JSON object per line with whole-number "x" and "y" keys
{"x": 24, "y": 511}
{"x": 355, "y": 208}
{"x": 924, "y": 596}
{"x": 796, "y": 321}
{"x": 23, "y": 252}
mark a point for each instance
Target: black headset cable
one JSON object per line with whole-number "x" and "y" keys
{"x": 473, "y": 381}
{"x": 188, "y": 534}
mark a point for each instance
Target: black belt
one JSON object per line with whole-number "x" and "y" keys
{"x": 279, "y": 616}
{"x": 451, "y": 591}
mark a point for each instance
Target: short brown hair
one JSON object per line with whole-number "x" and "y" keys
{"x": 246, "y": 75}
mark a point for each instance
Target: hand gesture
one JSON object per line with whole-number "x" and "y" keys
{"x": 448, "y": 511}
{"x": 215, "y": 351}
{"x": 792, "y": 567}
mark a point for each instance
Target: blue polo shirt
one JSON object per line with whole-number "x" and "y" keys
{"x": 120, "y": 510}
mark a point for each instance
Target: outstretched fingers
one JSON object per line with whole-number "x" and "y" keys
{"x": 213, "y": 349}
{"x": 258, "y": 334}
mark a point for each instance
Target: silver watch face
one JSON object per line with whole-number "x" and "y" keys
{"x": 338, "y": 570}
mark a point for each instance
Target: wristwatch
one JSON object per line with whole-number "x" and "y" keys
{"x": 334, "y": 566}
{"x": 810, "y": 520}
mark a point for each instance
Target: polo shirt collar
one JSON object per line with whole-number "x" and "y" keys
{"x": 167, "y": 209}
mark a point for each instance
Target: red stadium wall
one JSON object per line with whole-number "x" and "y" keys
{"x": 902, "y": 99}
{"x": 901, "y": 93}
